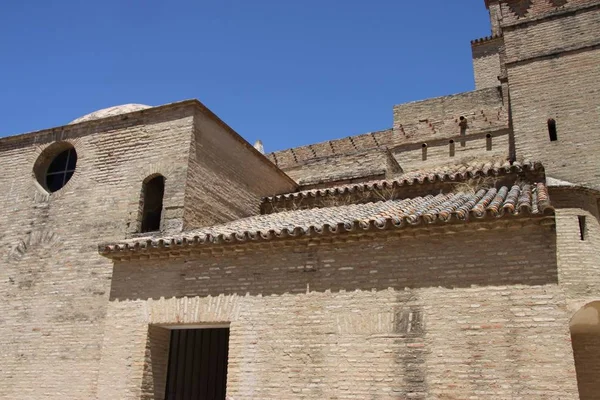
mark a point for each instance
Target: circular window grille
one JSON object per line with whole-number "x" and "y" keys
{"x": 56, "y": 166}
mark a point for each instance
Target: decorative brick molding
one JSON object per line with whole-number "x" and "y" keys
{"x": 33, "y": 239}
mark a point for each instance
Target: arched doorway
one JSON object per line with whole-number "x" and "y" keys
{"x": 585, "y": 337}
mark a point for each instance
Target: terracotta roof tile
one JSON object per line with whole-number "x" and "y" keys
{"x": 459, "y": 172}
{"x": 518, "y": 200}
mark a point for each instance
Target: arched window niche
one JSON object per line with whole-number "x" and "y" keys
{"x": 585, "y": 338}
{"x": 153, "y": 191}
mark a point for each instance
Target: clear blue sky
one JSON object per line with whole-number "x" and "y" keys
{"x": 287, "y": 72}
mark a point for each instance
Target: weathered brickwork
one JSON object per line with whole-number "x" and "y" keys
{"x": 360, "y": 166}
{"x": 486, "y": 61}
{"x": 227, "y": 177}
{"x": 53, "y": 284}
{"x": 471, "y": 272}
{"x": 563, "y": 88}
{"x": 397, "y": 322}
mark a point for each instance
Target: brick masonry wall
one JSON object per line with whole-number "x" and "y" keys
{"x": 438, "y": 151}
{"x": 519, "y": 11}
{"x": 226, "y": 178}
{"x": 579, "y": 277}
{"x": 486, "y": 62}
{"x": 378, "y": 163}
{"x": 442, "y": 107}
{"x": 463, "y": 315}
{"x": 156, "y": 359}
{"x": 563, "y": 88}
{"x": 567, "y": 31}
{"x": 54, "y": 286}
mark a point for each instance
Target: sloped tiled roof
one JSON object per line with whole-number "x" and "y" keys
{"x": 519, "y": 200}
{"x": 444, "y": 173}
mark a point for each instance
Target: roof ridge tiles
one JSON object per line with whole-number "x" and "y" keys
{"x": 462, "y": 172}
{"x": 520, "y": 200}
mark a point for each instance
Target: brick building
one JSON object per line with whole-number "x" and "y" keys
{"x": 152, "y": 253}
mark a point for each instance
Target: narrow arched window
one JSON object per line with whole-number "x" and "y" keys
{"x": 552, "y": 130}
{"x": 424, "y": 151}
{"x": 152, "y": 203}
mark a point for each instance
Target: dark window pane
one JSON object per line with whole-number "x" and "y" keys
{"x": 59, "y": 163}
{"x": 72, "y": 160}
{"x": 61, "y": 169}
{"x": 54, "y": 182}
{"x": 68, "y": 176}
{"x": 154, "y": 191}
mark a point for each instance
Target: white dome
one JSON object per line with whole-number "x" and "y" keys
{"x": 110, "y": 111}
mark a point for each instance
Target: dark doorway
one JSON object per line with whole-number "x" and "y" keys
{"x": 154, "y": 190}
{"x": 198, "y": 364}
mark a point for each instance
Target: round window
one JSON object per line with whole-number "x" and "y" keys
{"x": 56, "y": 166}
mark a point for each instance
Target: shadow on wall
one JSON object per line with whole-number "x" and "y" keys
{"x": 509, "y": 256}
{"x": 585, "y": 337}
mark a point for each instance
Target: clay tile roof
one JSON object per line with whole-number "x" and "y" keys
{"x": 458, "y": 172}
{"x": 519, "y": 200}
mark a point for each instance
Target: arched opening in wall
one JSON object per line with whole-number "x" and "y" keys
{"x": 452, "y": 149}
{"x": 424, "y": 152}
{"x": 153, "y": 191}
{"x": 55, "y": 166}
{"x": 552, "y": 130}
{"x": 585, "y": 338}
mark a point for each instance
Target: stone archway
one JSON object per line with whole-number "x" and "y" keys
{"x": 585, "y": 337}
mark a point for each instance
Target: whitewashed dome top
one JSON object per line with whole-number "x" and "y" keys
{"x": 111, "y": 111}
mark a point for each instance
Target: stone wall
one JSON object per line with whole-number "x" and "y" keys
{"x": 462, "y": 315}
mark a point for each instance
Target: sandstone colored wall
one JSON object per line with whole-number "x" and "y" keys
{"x": 518, "y": 11}
{"x": 54, "y": 287}
{"x": 227, "y": 176}
{"x": 447, "y": 106}
{"x": 464, "y": 315}
{"x": 441, "y": 152}
{"x": 346, "y": 168}
{"x": 562, "y": 87}
{"x": 579, "y": 276}
{"x": 486, "y": 61}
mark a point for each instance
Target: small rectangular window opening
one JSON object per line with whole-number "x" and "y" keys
{"x": 582, "y": 227}
{"x": 552, "y": 130}
{"x": 197, "y": 366}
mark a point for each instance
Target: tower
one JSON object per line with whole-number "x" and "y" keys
{"x": 548, "y": 53}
